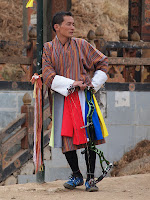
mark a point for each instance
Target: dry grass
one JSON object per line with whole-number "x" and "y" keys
{"x": 112, "y": 16}
{"x": 11, "y": 13}
{"x": 116, "y": 11}
{"x": 11, "y": 17}
{"x": 141, "y": 150}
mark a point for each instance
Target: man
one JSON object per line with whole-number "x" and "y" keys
{"x": 66, "y": 62}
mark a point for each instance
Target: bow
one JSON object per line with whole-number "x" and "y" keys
{"x": 91, "y": 135}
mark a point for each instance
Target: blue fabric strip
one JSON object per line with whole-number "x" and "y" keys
{"x": 95, "y": 119}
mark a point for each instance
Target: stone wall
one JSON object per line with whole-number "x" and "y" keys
{"x": 10, "y": 106}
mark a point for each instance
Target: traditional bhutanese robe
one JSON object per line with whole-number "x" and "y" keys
{"x": 64, "y": 64}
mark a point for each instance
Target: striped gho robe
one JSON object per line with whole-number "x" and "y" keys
{"x": 64, "y": 64}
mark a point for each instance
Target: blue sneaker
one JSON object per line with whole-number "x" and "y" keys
{"x": 73, "y": 182}
{"x": 91, "y": 186}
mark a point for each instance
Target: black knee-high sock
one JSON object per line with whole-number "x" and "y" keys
{"x": 90, "y": 158}
{"x": 72, "y": 159}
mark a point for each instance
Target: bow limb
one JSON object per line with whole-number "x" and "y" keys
{"x": 91, "y": 145}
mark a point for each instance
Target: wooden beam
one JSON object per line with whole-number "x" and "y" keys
{"x": 16, "y": 60}
{"x": 127, "y": 45}
{"x": 46, "y": 137}
{"x": 128, "y": 61}
{"x": 16, "y": 162}
{"x": 13, "y": 125}
{"x": 140, "y": 87}
{"x": 9, "y": 85}
{"x": 46, "y": 113}
{"x": 10, "y": 142}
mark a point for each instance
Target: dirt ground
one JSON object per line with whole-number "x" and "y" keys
{"x": 115, "y": 188}
{"x": 130, "y": 180}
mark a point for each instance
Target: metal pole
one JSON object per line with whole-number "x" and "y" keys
{"x": 40, "y": 176}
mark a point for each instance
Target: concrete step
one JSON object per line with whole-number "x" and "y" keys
{"x": 58, "y": 169}
{"x": 51, "y": 174}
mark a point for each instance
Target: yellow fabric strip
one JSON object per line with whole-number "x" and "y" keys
{"x": 29, "y": 4}
{"x": 34, "y": 91}
{"x": 101, "y": 119}
{"x": 51, "y": 143}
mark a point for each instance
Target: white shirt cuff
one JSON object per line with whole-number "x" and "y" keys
{"x": 61, "y": 84}
{"x": 99, "y": 79}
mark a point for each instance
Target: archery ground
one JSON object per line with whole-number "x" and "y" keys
{"x": 130, "y": 179}
{"x": 135, "y": 187}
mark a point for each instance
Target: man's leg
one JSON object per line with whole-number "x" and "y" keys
{"x": 72, "y": 159}
{"x": 90, "y": 158}
{"x": 76, "y": 179}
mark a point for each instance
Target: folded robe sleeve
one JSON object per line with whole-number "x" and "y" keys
{"x": 99, "y": 79}
{"x": 61, "y": 84}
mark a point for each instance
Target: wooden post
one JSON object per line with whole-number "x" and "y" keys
{"x": 99, "y": 41}
{"x": 0, "y": 161}
{"x": 123, "y": 36}
{"x": 40, "y": 176}
{"x": 139, "y": 19}
{"x": 32, "y": 49}
{"x": 91, "y": 37}
{"x": 27, "y": 141}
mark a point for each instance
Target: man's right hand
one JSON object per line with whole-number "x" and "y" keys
{"x": 80, "y": 84}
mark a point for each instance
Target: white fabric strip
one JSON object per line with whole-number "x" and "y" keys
{"x": 39, "y": 164}
{"x": 35, "y": 128}
{"x": 82, "y": 103}
{"x": 99, "y": 79}
{"x": 60, "y": 84}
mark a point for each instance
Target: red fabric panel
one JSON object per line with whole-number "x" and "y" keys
{"x": 72, "y": 116}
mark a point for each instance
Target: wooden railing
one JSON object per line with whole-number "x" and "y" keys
{"x": 16, "y": 140}
{"x": 135, "y": 70}
{"x": 19, "y": 68}
{"x": 129, "y": 61}
{"x": 16, "y": 68}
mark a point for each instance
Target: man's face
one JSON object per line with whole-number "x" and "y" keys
{"x": 66, "y": 28}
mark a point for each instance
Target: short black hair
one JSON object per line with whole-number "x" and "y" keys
{"x": 59, "y": 18}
